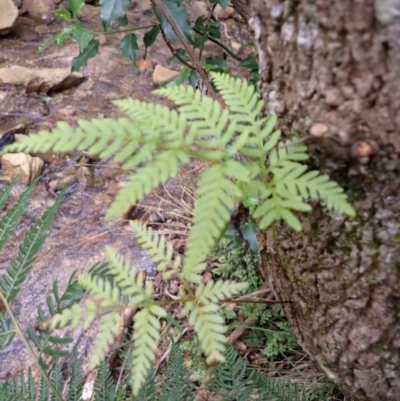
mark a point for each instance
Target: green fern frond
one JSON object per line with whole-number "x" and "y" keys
{"x": 155, "y": 245}
{"x": 205, "y": 116}
{"x": 95, "y": 136}
{"x": 125, "y": 275}
{"x": 43, "y": 390}
{"x": 110, "y": 325}
{"x": 5, "y": 194}
{"x": 214, "y": 291}
{"x": 148, "y": 389}
{"x": 231, "y": 379}
{"x": 177, "y": 385}
{"x": 6, "y": 333}
{"x": 104, "y": 386}
{"x": 209, "y": 326}
{"x": 20, "y": 267}
{"x": 168, "y": 127}
{"x": 212, "y": 212}
{"x": 101, "y": 290}
{"x": 163, "y": 166}
{"x": 146, "y": 334}
{"x": 315, "y": 186}
{"x": 11, "y": 219}
{"x": 242, "y": 100}
{"x": 287, "y": 152}
{"x": 56, "y": 379}
{"x": 75, "y": 384}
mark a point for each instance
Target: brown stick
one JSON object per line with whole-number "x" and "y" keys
{"x": 188, "y": 49}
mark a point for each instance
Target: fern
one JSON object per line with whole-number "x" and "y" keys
{"x": 177, "y": 385}
{"x": 104, "y": 386}
{"x": 75, "y": 384}
{"x": 20, "y": 267}
{"x": 245, "y": 157}
{"x": 11, "y": 219}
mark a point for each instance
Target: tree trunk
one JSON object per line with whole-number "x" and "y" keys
{"x": 331, "y": 69}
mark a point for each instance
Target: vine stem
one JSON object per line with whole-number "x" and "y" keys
{"x": 188, "y": 49}
{"x": 29, "y": 348}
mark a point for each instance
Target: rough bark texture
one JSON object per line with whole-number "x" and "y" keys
{"x": 242, "y": 7}
{"x": 337, "y": 63}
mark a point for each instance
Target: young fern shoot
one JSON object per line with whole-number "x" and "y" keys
{"x": 244, "y": 160}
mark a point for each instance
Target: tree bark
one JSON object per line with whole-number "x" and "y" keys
{"x": 332, "y": 69}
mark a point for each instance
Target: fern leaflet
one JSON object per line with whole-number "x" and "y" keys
{"x": 34, "y": 239}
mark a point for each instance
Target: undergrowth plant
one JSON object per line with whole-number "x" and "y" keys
{"x": 245, "y": 158}
{"x": 232, "y": 381}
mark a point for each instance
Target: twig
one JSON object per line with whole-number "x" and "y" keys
{"x": 188, "y": 49}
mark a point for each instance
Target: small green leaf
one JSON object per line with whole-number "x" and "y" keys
{"x": 63, "y": 14}
{"x": 82, "y": 36}
{"x": 250, "y": 62}
{"x": 216, "y": 64}
{"x": 181, "y": 19}
{"x": 181, "y": 78}
{"x": 76, "y": 5}
{"x": 150, "y": 37}
{"x": 90, "y": 51}
{"x": 129, "y": 46}
{"x": 112, "y": 10}
{"x": 249, "y": 232}
{"x": 60, "y": 39}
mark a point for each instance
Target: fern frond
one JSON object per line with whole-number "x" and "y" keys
{"x": 43, "y": 390}
{"x": 212, "y": 212}
{"x": 243, "y": 101}
{"x": 5, "y": 194}
{"x": 177, "y": 385}
{"x": 75, "y": 384}
{"x": 287, "y": 152}
{"x": 11, "y": 219}
{"x": 104, "y": 386}
{"x": 148, "y": 389}
{"x": 125, "y": 275}
{"x": 110, "y": 325}
{"x": 168, "y": 127}
{"x": 95, "y": 136}
{"x": 19, "y": 268}
{"x": 155, "y": 245}
{"x": 163, "y": 166}
{"x": 209, "y": 326}
{"x": 214, "y": 291}
{"x": 68, "y": 317}
{"x": 231, "y": 379}
{"x": 56, "y": 379}
{"x": 101, "y": 290}
{"x": 6, "y": 333}
{"x": 205, "y": 116}
{"x": 146, "y": 334}
{"x": 315, "y": 186}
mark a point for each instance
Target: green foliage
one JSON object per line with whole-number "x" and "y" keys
{"x": 194, "y": 34}
{"x": 232, "y": 380}
{"x": 20, "y": 267}
{"x": 246, "y": 159}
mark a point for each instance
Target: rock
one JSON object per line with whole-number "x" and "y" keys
{"x": 41, "y": 79}
{"x": 89, "y": 13}
{"x": 145, "y": 65}
{"x": 222, "y": 14}
{"x": 8, "y": 16}
{"x": 142, "y": 5}
{"x": 199, "y": 9}
{"x": 41, "y": 8}
{"x": 26, "y": 166}
{"x": 18, "y": 3}
{"x": 161, "y": 75}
